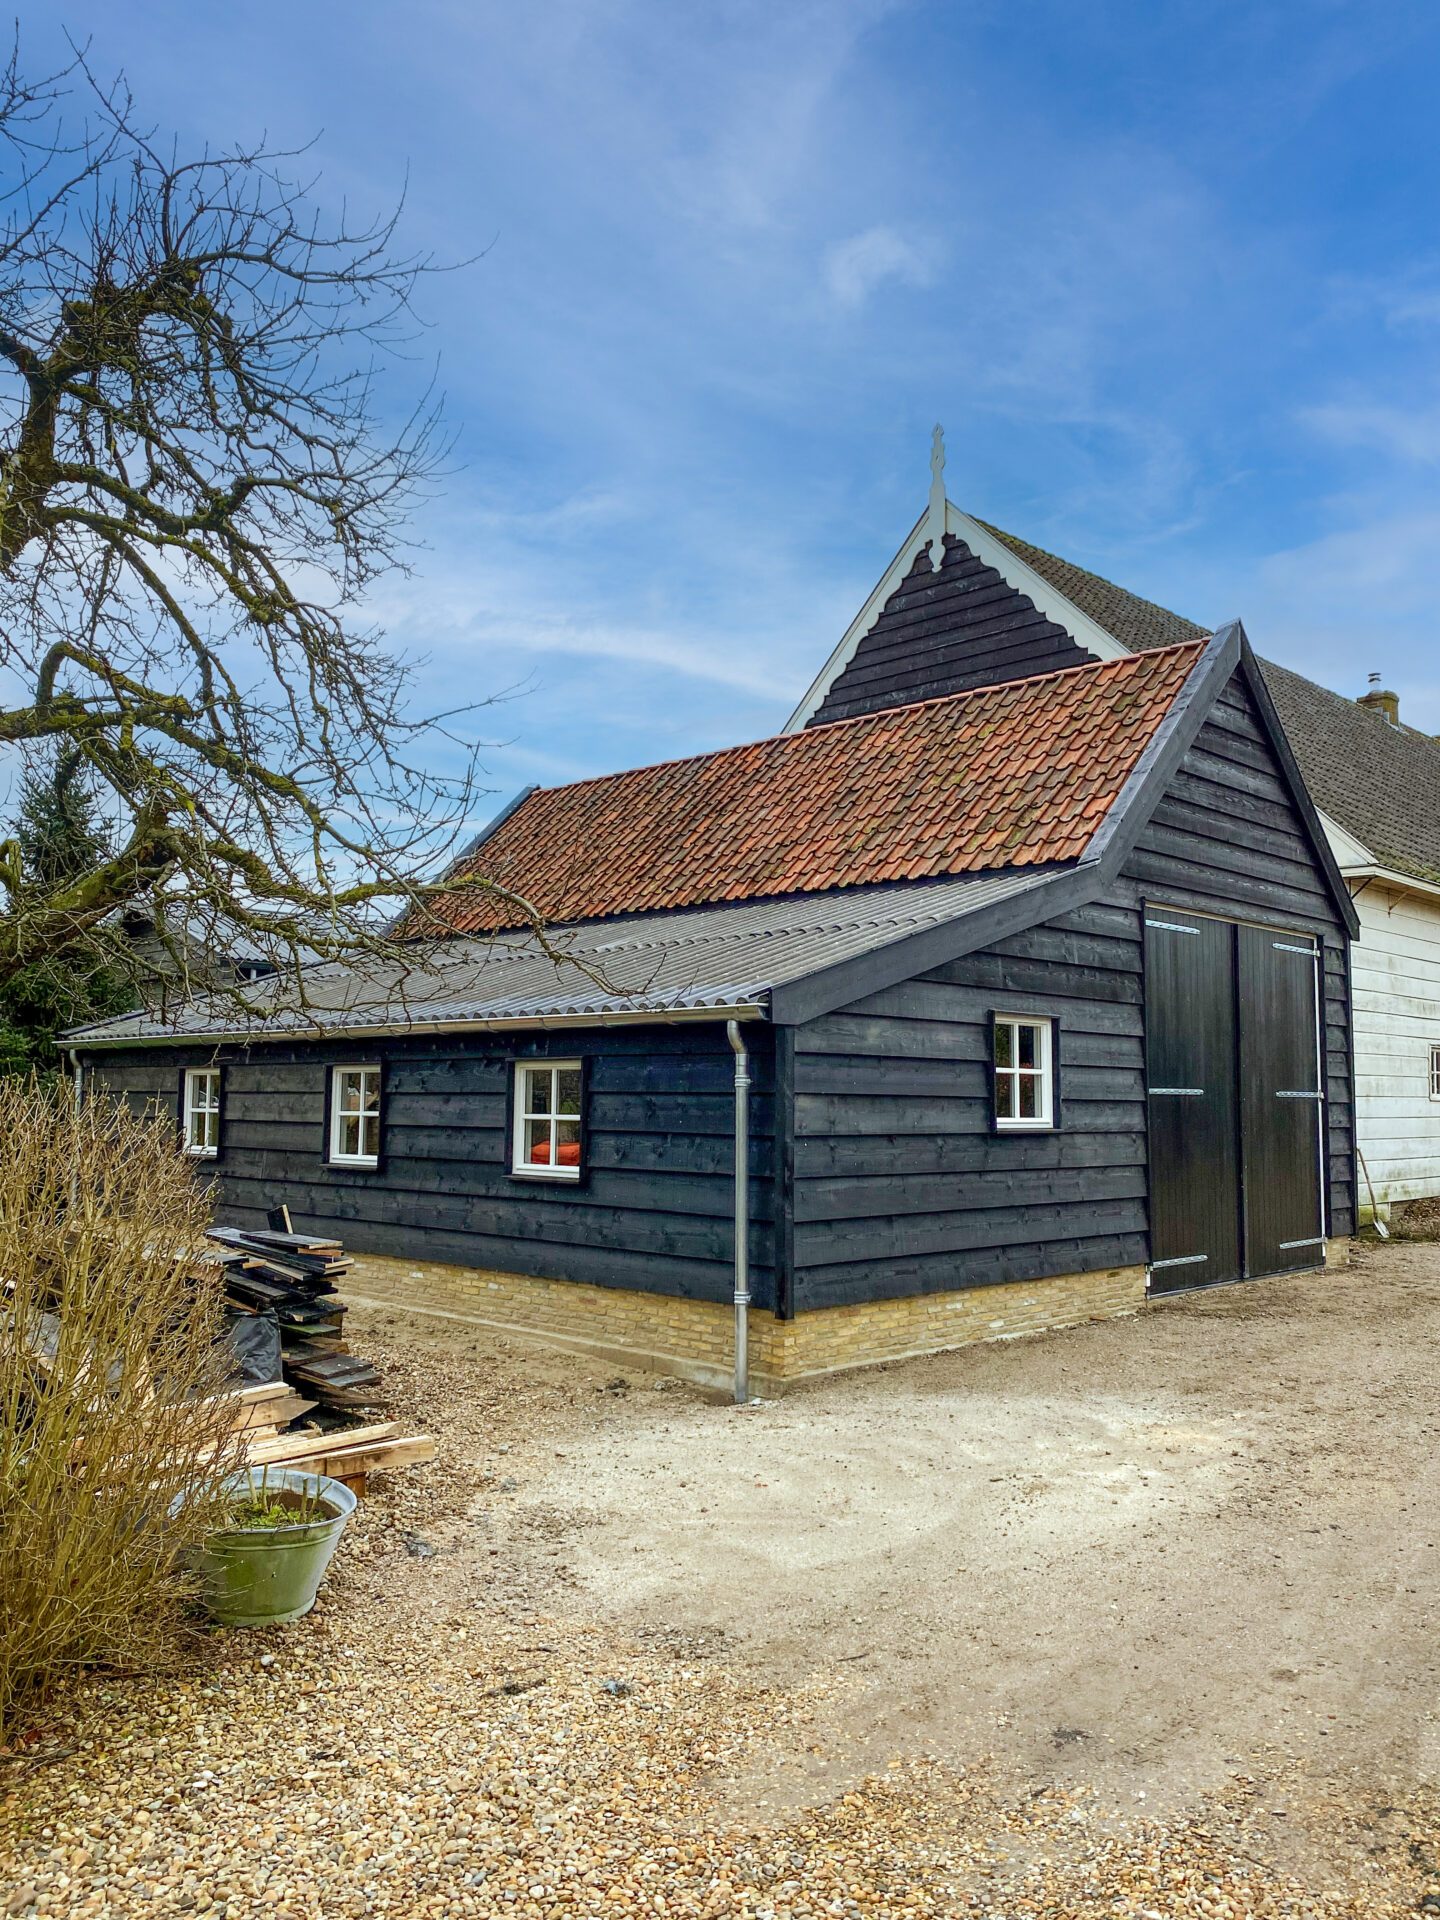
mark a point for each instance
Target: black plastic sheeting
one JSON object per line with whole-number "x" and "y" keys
{"x": 255, "y": 1341}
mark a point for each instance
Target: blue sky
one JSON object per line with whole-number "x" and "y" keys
{"x": 1169, "y": 275}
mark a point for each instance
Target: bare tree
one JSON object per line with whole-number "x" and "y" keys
{"x": 195, "y": 492}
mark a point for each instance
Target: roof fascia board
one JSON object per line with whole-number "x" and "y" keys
{"x": 991, "y": 553}
{"x": 1299, "y": 793}
{"x": 515, "y": 1023}
{"x": 1122, "y": 826}
{"x": 1396, "y": 882}
{"x": 865, "y": 973}
{"x": 1048, "y": 599}
{"x": 1349, "y": 851}
{"x": 844, "y": 653}
{"x": 494, "y": 826}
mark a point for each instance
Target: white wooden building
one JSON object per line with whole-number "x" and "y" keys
{"x": 1377, "y": 786}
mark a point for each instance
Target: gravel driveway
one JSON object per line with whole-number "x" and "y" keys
{"x": 1136, "y": 1618}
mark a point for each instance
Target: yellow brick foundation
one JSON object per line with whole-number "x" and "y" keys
{"x": 693, "y": 1339}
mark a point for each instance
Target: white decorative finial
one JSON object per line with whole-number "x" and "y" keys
{"x": 935, "y": 520}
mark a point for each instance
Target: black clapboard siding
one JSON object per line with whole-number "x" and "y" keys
{"x": 873, "y": 1156}
{"x": 942, "y": 1196}
{"x": 1211, "y": 864}
{"x": 860, "y": 1074}
{"x": 886, "y": 1107}
{"x": 968, "y": 1206}
{"x": 943, "y": 633}
{"x": 841, "y": 1116}
{"x": 938, "y": 1236}
{"x": 1339, "y": 1088}
{"x": 655, "y": 1209}
{"x": 841, "y": 1285}
{"x": 934, "y": 1000}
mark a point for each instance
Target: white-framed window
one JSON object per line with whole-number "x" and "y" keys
{"x": 1024, "y": 1072}
{"x": 202, "y": 1112}
{"x": 355, "y": 1116}
{"x": 547, "y": 1119}
{"x": 1435, "y": 1073}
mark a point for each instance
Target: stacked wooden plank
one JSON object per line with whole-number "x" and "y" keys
{"x": 347, "y": 1454}
{"x": 294, "y": 1275}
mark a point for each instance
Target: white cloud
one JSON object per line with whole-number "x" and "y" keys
{"x": 855, "y": 267}
{"x": 1406, "y": 433}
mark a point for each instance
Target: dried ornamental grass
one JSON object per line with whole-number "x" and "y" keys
{"x": 110, "y": 1456}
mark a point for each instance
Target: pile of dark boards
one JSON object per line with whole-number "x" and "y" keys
{"x": 306, "y": 1409}
{"x": 291, "y": 1277}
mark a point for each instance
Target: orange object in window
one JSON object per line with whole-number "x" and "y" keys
{"x": 569, "y": 1153}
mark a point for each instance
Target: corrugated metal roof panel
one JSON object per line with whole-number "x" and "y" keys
{"x": 657, "y": 964}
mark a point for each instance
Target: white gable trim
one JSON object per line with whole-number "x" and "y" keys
{"x": 1048, "y": 600}
{"x": 1357, "y": 862}
{"x": 990, "y": 552}
{"x": 1350, "y": 854}
{"x": 917, "y": 537}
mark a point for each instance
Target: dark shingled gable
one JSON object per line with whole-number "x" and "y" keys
{"x": 945, "y": 633}
{"x": 1382, "y": 783}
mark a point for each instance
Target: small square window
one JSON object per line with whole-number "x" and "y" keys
{"x": 202, "y": 1112}
{"x": 1435, "y": 1073}
{"x": 547, "y": 1119}
{"x": 355, "y": 1116}
{"x": 1024, "y": 1073}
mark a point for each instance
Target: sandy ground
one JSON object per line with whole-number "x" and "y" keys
{"x": 1133, "y": 1618}
{"x": 1138, "y": 1552}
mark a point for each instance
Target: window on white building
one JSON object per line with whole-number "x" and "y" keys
{"x": 1435, "y": 1073}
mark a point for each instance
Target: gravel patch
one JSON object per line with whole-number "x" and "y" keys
{"x": 454, "y": 1730}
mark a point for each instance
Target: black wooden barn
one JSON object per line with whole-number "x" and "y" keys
{"x": 1037, "y": 947}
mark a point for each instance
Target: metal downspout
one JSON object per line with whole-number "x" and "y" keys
{"x": 742, "y": 1213}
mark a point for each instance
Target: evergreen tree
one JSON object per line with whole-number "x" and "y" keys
{"x": 60, "y": 837}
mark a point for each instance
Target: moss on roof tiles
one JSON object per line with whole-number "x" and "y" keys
{"x": 1018, "y": 774}
{"x": 1135, "y": 623}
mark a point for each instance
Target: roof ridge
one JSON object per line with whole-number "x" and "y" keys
{"x": 994, "y": 686}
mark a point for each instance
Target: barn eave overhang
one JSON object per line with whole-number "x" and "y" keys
{"x": 416, "y": 1029}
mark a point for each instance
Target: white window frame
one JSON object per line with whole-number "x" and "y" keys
{"x": 202, "y": 1102}
{"x": 521, "y": 1165}
{"x": 340, "y": 1113}
{"x": 1043, "y": 1119}
{"x": 1435, "y": 1073}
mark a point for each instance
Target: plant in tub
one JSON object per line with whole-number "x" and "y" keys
{"x": 265, "y": 1565}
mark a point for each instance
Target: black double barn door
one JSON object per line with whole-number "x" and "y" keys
{"x": 1233, "y": 1073}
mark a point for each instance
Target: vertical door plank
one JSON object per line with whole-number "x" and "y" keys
{"x": 1281, "y": 1118}
{"x": 1190, "y": 1070}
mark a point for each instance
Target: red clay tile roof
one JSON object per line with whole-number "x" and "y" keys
{"x": 1016, "y": 775}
